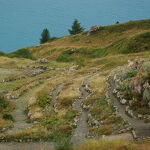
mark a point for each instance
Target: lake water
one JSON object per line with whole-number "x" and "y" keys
{"x": 21, "y": 21}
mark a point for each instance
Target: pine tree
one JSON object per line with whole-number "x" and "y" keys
{"x": 45, "y": 36}
{"x": 76, "y": 28}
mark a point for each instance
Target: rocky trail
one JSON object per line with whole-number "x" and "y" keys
{"x": 81, "y": 132}
{"x": 140, "y": 128}
{"x": 8, "y": 71}
{"x": 27, "y": 146}
{"x": 55, "y": 92}
{"x": 20, "y": 118}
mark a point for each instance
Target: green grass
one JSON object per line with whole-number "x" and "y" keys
{"x": 138, "y": 43}
{"x": 21, "y": 53}
{"x": 44, "y": 100}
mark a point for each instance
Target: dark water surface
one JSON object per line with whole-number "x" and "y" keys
{"x": 21, "y": 21}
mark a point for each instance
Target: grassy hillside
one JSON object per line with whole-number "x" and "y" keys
{"x": 132, "y": 36}
{"x": 69, "y": 94}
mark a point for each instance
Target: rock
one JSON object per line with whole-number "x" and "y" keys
{"x": 93, "y": 29}
{"x": 123, "y": 101}
{"x": 140, "y": 116}
{"x": 129, "y": 112}
{"x": 42, "y": 60}
{"x": 3, "y": 91}
{"x": 89, "y": 116}
{"x": 119, "y": 95}
{"x": 73, "y": 68}
{"x": 115, "y": 91}
{"x": 95, "y": 123}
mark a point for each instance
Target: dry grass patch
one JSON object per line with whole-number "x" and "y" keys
{"x": 98, "y": 83}
{"x": 10, "y": 63}
{"x": 107, "y": 145}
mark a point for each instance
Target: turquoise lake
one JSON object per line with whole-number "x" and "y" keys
{"x": 21, "y": 21}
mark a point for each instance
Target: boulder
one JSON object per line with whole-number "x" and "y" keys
{"x": 42, "y": 60}
{"x": 93, "y": 29}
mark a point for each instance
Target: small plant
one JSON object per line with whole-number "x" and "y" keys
{"x": 64, "y": 58}
{"x": 66, "y": 102}
{"x": 123, "y": 87}
{"x": 3, "y": 103}
{"x": 44, "y": 100}
{"x": 131, "y": 74}
{"x": 51, "y": 121}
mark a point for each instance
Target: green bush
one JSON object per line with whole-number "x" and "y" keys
{"x": 8, "y": 117}
{"x": 64, "y": 58}
{"x": 138, "y": 43}
{"x": 44, "y": 100}
{"x": 51, "y": 121}
{"x": 123, "y": 87}
{"x": 3, "y": 103}
{"x": 2, "y": 53}
{"x": 131, "y": 74}
{"x": 21, "y": 53}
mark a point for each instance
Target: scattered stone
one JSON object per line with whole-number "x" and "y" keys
{"x": 42, "y": 60}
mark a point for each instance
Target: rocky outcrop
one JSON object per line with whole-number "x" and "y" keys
{"x": 93, "y": 29}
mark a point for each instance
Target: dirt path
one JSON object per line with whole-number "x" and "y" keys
{"x": 19, "y": 111}
{"x": 55, "y": 92}
{"x": 81, "y": 131}
{"x": 7, "y": 71}
{"x": 122, "y": 136}
{"x": 142, "y": 130}
{"x": 27, "y": 146}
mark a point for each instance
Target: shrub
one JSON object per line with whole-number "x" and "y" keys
{"x": 3, "y": 103}
{"x": 64, "y": 58}
{"x": 2, "y": 53}
{"x": 43, "y": 100}
{"x": 123, "y": 87}
{"x": 131, "y": 74}
{"x": 51, "y": 121}
{"x": 8, "y": 117}
{"x": 21, "y": 53}
{"x": 138, "y": 43}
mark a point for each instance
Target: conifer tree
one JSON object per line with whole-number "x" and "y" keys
{"x": 76, "y": 28}
{"x": 45, "y": 36}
